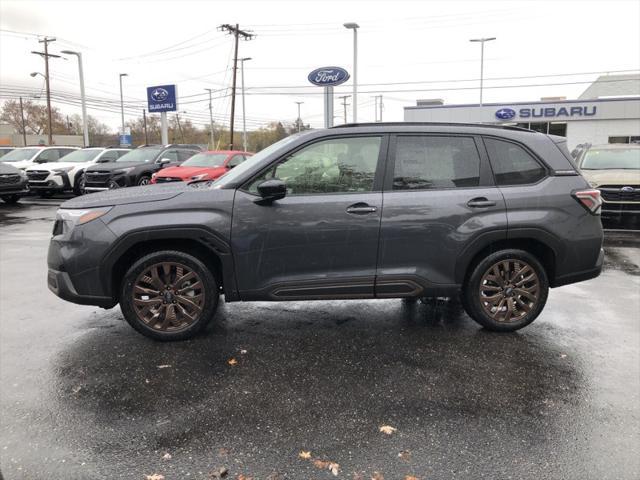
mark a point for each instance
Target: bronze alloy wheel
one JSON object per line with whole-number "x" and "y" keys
{"x": 168, "y": 296}
{"x": 509, "y": 290}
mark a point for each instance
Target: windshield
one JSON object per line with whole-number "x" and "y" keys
{"x": 140, "y": 155}
{"x": 619, "y": 158}
{"x": 82, "y": 155}
{"x": 254, "y": 160}
{"x": 20, "y": 154}
{"x": 206, "y": 160}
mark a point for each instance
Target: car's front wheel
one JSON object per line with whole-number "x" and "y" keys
{"x": 169, "y": 295}
{"x": 144, "y": 180}
{"x": 506, "y": 291}
{"x": 80, "y": 182}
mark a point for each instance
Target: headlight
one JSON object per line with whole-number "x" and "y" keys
{"x": 62, "y": 169}
{"x": 124, "y": 170}
{"x": 80, "y": 217}
{"x": 23, "y": 174}
{"x": 202, "y": 176}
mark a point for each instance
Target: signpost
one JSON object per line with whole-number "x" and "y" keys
{"x": 125, "y": 137}
{"x": 162, "y": 99}
{"x": 328, "y": 77}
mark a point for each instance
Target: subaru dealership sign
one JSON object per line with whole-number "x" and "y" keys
{"x": 547, "y": 112}
{"x": 328, "y": 76}
{"x": 162, "y": 99}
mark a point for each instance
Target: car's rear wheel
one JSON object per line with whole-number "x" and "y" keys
{"x": 506, "y": 291}
{"x": 144, "y": 180}
{"x": 10, "y": 199}
{"x": 169, "y": 295}
{"x": 78, "y": 187}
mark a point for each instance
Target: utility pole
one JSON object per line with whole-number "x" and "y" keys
{"x": 345, "y": 105}
{"x": 244, "y": 113}
{"x": 144, "y": 120}
{"x": 378, "y": 109}
{"x": 24, "y": 129}
{"x": 212, "y": 140}
{"x": 299, "y": 121}
{"x": 122, "y": 102}
{"x": 237, "y": 33}
{"x": 46, "y": 56}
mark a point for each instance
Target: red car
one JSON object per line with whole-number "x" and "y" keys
{"x": 202, "y": 166}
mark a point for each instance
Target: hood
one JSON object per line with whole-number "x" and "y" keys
{"x": 125, "y": 196}
{"x": 111, "y": 166}
{"x": 187, "y": 172}
{"x": 22, "y": 164}
{"x": 8, "y": 168}
{"x": 597, "y": 178}
{"x": 53, "y": 165}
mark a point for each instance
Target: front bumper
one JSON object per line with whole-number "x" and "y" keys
{"x": 22, "y": 189}
{"x": 55, "y": 181}
{"x": 60, "y": 283}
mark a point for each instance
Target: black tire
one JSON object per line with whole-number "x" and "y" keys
{"x": 11, "y": 199}
{"x": 506, "y": 290}
{"x": 144, "y": 180}
{"x": 78, "y": 184}
{"x": 153, "y": 328}
{"x": 45, "y": 194}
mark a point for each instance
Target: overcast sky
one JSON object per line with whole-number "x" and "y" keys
{"x": 407, "y": 50}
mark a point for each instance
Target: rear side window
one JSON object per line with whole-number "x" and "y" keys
{"x": 435, "y": 162}
{"x": 49, "y": 155}
{"x": 110, "y": 156}
{"x": 512, "y": 164}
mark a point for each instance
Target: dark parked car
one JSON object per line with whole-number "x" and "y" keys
{"x": 13, "y": 183}
{"x": 496, "y": 214}
{"x": 136, "y": 167}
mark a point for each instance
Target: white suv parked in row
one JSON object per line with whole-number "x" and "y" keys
{"x": 68, "y": 174}
{"x": 27, "y": 156}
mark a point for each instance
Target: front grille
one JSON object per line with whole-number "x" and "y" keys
{"x": 37, "y": 175}
{"x": 167, "y": 179}
{"x": 97, "y": 177}
{"x": 9, "y": 178}
{"x": 614, "y": 193}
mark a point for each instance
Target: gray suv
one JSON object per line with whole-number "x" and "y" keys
{"x": 496, "y": 215}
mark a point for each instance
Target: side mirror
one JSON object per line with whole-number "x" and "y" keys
{"x": 271, "y": 190}
{"x": 164, "y": 161}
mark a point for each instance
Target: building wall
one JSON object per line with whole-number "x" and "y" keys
{"x": 598, "y": 131}
{"x": 16, "y": 140}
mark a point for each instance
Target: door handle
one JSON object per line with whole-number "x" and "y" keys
{"x": 361, "y": 208}
{"x": 480, "y": 202}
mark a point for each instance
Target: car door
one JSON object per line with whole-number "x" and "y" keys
{"x": 438, "y": 197}
{"x": 321, "y": 240}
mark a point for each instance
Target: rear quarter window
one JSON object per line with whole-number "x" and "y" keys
{"x": 512, "y": 164}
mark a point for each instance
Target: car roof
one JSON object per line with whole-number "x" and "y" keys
{"x": 225, "y": 151}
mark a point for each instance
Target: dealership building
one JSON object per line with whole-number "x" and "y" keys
{"x": 607, "y": 112}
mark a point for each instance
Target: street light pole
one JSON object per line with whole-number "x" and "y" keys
{"x": 354, "y": 26}
{"x": 244, "y": 118}
{"x": 299, "y": 121}
{"x": 212, "y": 140}
{"x": 482, "y": 42}
{"x": 122, "y": 102}
{"x": 85, "y": 125}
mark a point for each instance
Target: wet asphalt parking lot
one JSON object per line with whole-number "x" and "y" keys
{"x": 83, "y": 396}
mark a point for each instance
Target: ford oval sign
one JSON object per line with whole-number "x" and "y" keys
{"x": 328, "y": 76}
{"x": 159, "y": 94}
{"x": 506, "y": 113}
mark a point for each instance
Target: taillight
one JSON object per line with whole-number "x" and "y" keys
{"x": 589, "y": 199}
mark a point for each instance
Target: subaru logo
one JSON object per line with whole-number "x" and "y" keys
{"x": 506, "y": 113}
{"x": 159, "y": 94}
{"x": 328, "y": 76}
{"x": 627, "y": 189}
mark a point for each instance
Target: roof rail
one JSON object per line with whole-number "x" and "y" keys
{"x": 438, "y": 124}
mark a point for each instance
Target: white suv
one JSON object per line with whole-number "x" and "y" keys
{"x": 27, "y": 156}
{"x": 68, "y": 174}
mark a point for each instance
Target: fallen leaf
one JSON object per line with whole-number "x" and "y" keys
{"x": 164, "y": 366}
{"x": 305, "y": 455}
{"x": 334, "y": 468}
{"x": 232, "y": 361}
{"x": 219, "y": 473}
{"x": 321, "y": 464}
{"x": 387, "y": 429}
{"x": 154, "y": 476}
{"x": 357, "y": 476}
{"x": 564, "y": 355}
{"x": 405, "y": 455}
{"x": 223, "y": 452}
{"x": 377, "y": 476}
{"x": 76, "y": 389}
{"x": 167, "y": 456}
{"x": 274, "y": 476}
{"x": 411, "y": 477}
{"x": 242, "y": 477}
{"x": 243, "y": 352}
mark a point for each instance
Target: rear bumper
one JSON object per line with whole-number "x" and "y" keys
{"x": 60, "y": 284}
{"x": 581, "y": 276}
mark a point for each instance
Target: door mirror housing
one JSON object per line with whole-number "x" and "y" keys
{"x": 271, "y": 190}
{"x": 164, "y": 161}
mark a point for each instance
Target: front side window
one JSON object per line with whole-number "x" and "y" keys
{"x": 339, "y": 165}
{"x": 49, "y": 155}
{"x": 140, "y": 155}
{"x": 512, "y": 164}
{"x": 435, "y": 162}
